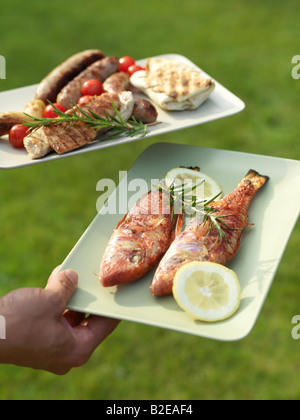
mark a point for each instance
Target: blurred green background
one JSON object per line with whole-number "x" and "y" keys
{"x": 246, "y": 46}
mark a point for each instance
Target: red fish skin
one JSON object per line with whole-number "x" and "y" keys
{"x": 196, "y": 243}
{"x": 139, "y": 241}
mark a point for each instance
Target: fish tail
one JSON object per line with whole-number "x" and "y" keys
{"x": 255, "y": 179}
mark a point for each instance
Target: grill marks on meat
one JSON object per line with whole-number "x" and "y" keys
{"x": 63, "y": 85}
{"x": 99, "y": 70}
{"x": 67, "y": 136}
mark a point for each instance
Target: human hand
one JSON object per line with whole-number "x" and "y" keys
{"x": 39, "y": 332}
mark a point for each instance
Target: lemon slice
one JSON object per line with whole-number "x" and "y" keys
{"x": 207, "y": 188}
{"x": 207, "y": 291}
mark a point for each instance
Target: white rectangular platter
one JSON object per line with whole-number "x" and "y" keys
{"x": 222, "y": 103}
{"x": 255, "y": 264}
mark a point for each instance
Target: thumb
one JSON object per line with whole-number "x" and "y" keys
{"x": 63, "y": 284}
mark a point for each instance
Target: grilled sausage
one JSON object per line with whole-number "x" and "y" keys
{"x": 9, "y": 119}
{"x": 117, "y": 83}
{"x": 52, "y": 84}
{"x": 144, "y": 111}
{"x": 99, "y": 70}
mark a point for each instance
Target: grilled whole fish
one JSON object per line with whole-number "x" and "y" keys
{"x": 199, "y": 243}
{"x": 139, "y": 241}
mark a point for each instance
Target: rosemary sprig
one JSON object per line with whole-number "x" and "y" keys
{"x": 183, "y": 200}
{"x": 112, "y": 124}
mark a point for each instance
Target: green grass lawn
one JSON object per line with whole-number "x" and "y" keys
{"x": 247, "y": 47}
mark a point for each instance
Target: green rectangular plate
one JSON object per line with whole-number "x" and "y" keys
{"x": 255, "y": 264}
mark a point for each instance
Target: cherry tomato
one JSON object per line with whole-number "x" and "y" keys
{"x": 92, "y": 87}
{"x": 49, "y": 111}
{"x": 17, "y": 134}
{"x": 85, "y": 100}
{"x": 134, "y": 68}
{"x": 125, "y": 63}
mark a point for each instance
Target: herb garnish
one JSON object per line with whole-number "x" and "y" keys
{"x": 115, "y": 124}
{"x": 183, "y": 200}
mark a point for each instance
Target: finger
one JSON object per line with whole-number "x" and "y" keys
{"x": 89, "y": 334}
{"x": 74, "y": 318}
{"x": 54, "y": 272}
{"x": 100, "y": 327}
{"x": 63, "y": 284}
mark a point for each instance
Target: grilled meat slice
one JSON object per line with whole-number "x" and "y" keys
{"x": 68, "y": 136}
{"x": 37, "y": 144}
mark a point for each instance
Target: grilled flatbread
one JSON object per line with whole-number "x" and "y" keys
{"x": 172, "y": 85}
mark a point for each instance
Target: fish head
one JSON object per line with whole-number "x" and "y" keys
{"x": 184, "y": 249}
{"x": 124, "y": 262}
